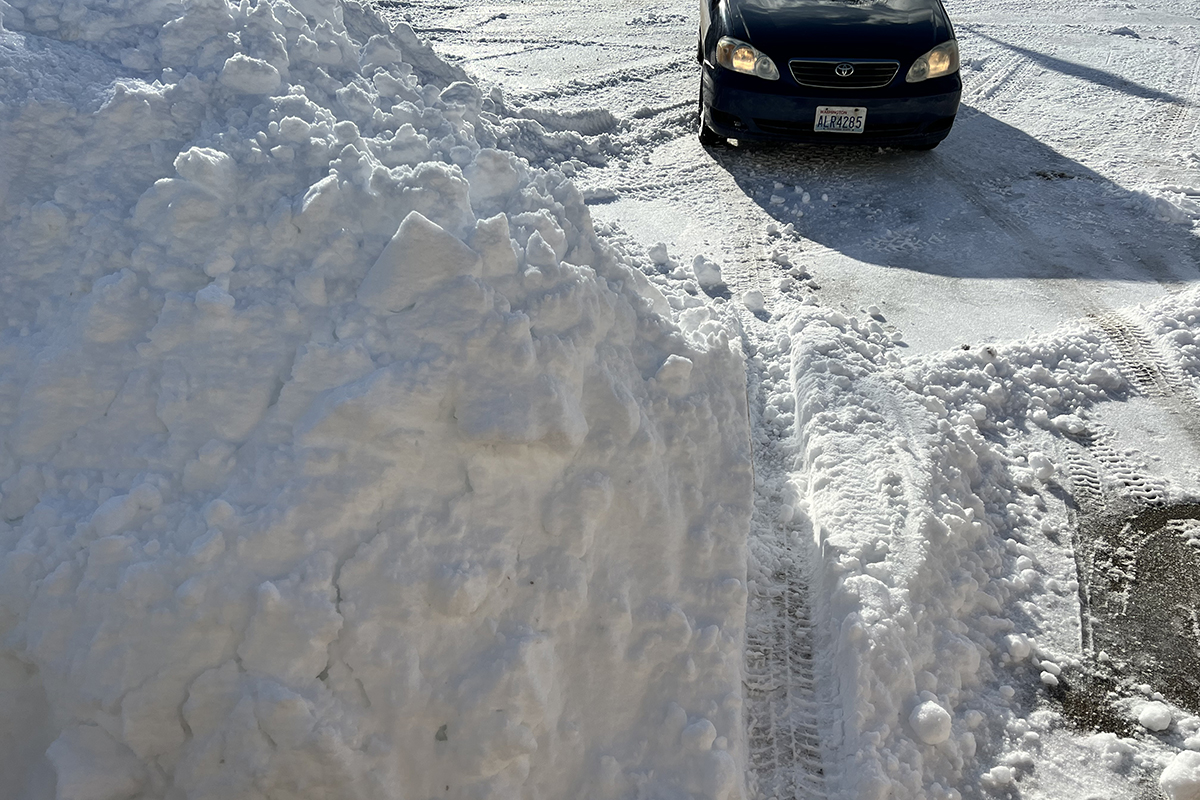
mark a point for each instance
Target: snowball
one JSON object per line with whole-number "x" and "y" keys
{"x": 1181, "y": 779}
{"x": 1154, "y": 716}
{"x": 930, "y": 722}
{"x": 754, "y": 301}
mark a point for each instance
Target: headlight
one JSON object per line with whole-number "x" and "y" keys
{"x": 741, "y": 57}
{"x": 941, "y": 60}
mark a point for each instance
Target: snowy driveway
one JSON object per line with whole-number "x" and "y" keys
{"x": 1069, "y": 189}
{"x": 1049, "y": 201}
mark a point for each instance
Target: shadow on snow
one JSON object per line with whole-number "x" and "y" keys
{"x": 990, "y": 202}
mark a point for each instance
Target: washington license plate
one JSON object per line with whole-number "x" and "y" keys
{"x": 840, "y": 119}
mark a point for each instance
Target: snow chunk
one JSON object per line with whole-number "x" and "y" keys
{"x": 931, "y": 722}
{"x": 1043, "y": 468}
{"x": 212, "y": 169}
{"x": 247, "y": 75}
{"x": 1154, "y": 716}
{"x": 117, "y": 513}
{"x": 215, "y": 299}
{"x": 674, "y": 372}
{"x": 998, "y": 777}
{"x": 91, "y": 765}
{"x": 1070, "y": 423}
{"x": 421, "y": 256}
{"x": 293, "y": 624}
{"x": 708, "y": 273}
{"x": 754, "y": 301}
{"x": 1181, "y": 779}
{"x": 699, "y": 735}
{"x": 1018, "y": 646}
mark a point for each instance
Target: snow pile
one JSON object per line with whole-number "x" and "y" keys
{"x": 341, "y": 458}
{"x": 945, "y": 576}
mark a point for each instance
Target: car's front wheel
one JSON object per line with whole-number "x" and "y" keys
{"x": 708, "y": 137}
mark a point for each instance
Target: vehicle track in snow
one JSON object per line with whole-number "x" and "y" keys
{"x": 998, "y": 204}
{"x": 1010, "y": 74}
{"x": 1149, "y": 372}
{"x": 782, "y": 712}
{"x": 1177, "y": 124}
{"x": 784, "y": 709}
{"x": 1099, "y": 472}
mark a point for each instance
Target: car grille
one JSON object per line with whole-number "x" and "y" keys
{"x": 823, "y": 74}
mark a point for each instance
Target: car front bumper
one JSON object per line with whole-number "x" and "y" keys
{"x": 744, "y": 107}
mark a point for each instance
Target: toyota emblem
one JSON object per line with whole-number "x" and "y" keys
{"x": 844, "y": 70}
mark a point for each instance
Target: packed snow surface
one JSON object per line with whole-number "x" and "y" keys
{"x": 341, "y": 458}
{"x": 345, "y": 457}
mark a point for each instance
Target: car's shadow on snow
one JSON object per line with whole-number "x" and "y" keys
{"x": 990, "y": 202}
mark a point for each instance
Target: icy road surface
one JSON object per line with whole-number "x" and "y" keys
{"x": 1070, "y": 187}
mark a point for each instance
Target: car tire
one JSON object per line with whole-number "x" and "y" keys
{"x": 708, "y": 137}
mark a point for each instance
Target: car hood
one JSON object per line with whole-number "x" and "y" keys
{"x": 901, "y": 29}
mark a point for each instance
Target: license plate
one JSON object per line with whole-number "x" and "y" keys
{"x": 840, "y": 119}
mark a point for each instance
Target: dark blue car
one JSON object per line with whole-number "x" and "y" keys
{"x": 877, "y": 72}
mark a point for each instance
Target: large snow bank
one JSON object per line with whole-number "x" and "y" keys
{"x": 945, "y": 567}
{"x": 340, "y": 457}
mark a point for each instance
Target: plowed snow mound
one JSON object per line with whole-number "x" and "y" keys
{"x": 341, "y": 458}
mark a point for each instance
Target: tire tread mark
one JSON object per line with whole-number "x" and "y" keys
{"x": 1149, "y": 372}
{"x": 1009, "y": 80}
{"x": 784, "y": 738}
{"x": 1178, "y": 111}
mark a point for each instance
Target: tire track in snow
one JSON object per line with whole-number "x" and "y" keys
{"x": 1149, "y": 371}
{"x": 1097, "y": 470}
{"x": 1013, "y": 76}
{"x": 644, "y": 71}
{"x": 783, "y": 709}
{"x": 1171, "y": 130}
